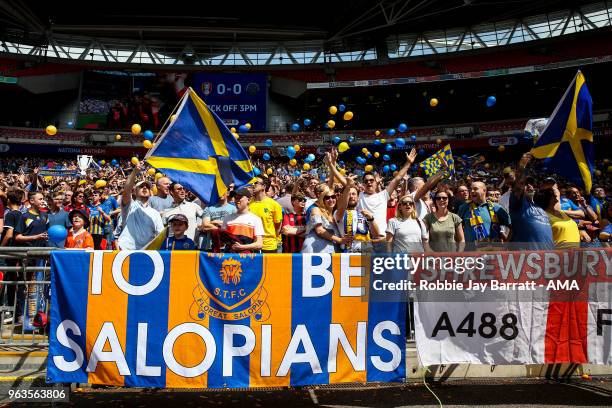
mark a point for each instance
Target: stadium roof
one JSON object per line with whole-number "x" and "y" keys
{"x": 328, "y": 27}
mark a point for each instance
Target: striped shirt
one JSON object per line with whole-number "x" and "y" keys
{"x": 292, "y": 244}
{"x": 96, "y": 221}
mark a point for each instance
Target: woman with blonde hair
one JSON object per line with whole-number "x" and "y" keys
{"x": 321, "y": 232}
{"x": 405, "y": 232}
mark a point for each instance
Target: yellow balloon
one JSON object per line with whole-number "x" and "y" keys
{"x": 331, "y": 124}
{"x": 598, "y": 173}
{"x": 117, "y": 137}
{"x": 252, "y": 149}
{"x": 100, "y": 183}
{"x": 348, "y": 115}
{"x": 269, "y": 171}
{"x": 376, "y": 154}
{"x": 233, "y": 129}
{"x": 48, "y": 178}
{"x": 81, "y": 182}
{"x": 501, "y": 148}
{"x": 103, "y": 162}
{"x": 154, "y": 190}
{"x": 172, "y": 118}
{"x": 306, "y": 166}
{"x": 147, "y": 144}
{"x": 158, "y": 176}
{"x": 383, "y": 140}
{"x": 135, "y": 161}
{"x": 247, "y": 125}
{"x": 343, "y": 147}
{"x": 293, "y": 162}
{"x": 51, "y": 130}
{"x": 369, "y": 168}
{"x": 487, "y": 165}
{"x": 236, "y": 135}
{"x": 377, "y": 133}
{"x": 136, "y": 129}
{"x": 438, "y": 141}
{"x": 342, "y": 171}
{"x": 151, "y": 171}
{"x": 364, "y": 150}
{"x": 333, "y": 110}
{"x": 296, "y": 147}
{"x": 433, "y": 102}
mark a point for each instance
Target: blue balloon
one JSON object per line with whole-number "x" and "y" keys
{"x": 243, "y": 129}
{"x": 351, "y": 138}
{"x": 295, "y": 127}
{"x": 369, "y": 155}
{"x": 386, "y": 168}
{"x": 326, "y": 126}
{"x": 291, "y": 150}
{"x": 256, "y": 171}
{"x": 491, "y": 100}
{"x": 311, "y": 157}
{"x": 307, "y": 122}
{"x": 296, "y": 173}
{"x": 266, "y": 156}
{"x": 421, "y": 151}
{"x": 413, "y": 138}
{"x": 70, "y": 123}
{"x": 114, "y": 161}
{"x": 386, "y": 157}
{"x": 336, "y": 140}
{"x": 402, "y": 127}
{"x": 393, "y": 167}
{"x": 391, "y": 132}
{"x": 341, "y": 108}
{"x": 400, "y": 142}
{"x": 148, "y": 135}
{"x": 377, "y": 142}
{"x": 57, "y": 234}
{"x": 388, "y": 147}
{"x": 268, "y": 142}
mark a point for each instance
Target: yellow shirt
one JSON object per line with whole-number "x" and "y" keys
{"x": 271, "y": 213}
{"x": 564, "y": 230}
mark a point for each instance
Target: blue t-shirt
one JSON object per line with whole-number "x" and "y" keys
{"x": 530, "y": 224}
{"x": 567, "y": 204}
{"x": 173, "y": 244}
{"x": 503, "y": 218}
{"x": 59, "y": 218}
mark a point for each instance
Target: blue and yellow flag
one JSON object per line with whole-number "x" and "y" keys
{"x": 199, "y": 151}
{"x": 433, "y": 164}
{"x": 567, "y": 142}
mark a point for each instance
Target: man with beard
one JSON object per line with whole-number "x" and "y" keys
{"x": 530, "y": 222}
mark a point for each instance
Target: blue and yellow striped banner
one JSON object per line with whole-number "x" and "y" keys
{"x": 194, "y": 320}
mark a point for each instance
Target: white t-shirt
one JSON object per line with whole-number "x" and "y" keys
{"x": 377, "y": 205}
{"x": 247, "y": 224}
{"x": 141, "y": 224}
{"x": 408, "y": 235}
{"x": 192, "y": 211}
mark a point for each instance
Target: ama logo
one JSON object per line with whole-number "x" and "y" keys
{"x": 236, "y": 291}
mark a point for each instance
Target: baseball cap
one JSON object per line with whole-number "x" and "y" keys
{"x": 549, "y": 180}
{"x": 243, "y": 192}
{"x": 142, "y": 183}
{"x": 178, "y": 217}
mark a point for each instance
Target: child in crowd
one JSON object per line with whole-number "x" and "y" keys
{"x": 78, "y": 237}
{"x": 179, "y": 224}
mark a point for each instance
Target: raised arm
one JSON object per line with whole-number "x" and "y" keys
{"x": 126, "y": 194}
{"x": 400, "y": 174}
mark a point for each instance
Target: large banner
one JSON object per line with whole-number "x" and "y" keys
{"x": 520, "y": 308}
{"x": 189, "y": 319}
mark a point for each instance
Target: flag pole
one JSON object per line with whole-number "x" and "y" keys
{"x": 162, "y": 133}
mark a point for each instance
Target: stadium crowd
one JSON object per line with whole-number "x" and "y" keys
{"x": 329, "y": 208}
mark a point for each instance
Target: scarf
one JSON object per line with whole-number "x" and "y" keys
{"x": 477, "y": 223}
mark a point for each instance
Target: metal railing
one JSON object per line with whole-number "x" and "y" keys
{"x": 24, "y": 296}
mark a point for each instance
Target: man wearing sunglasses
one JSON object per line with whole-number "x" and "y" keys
{"x": 375, "y": 202}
